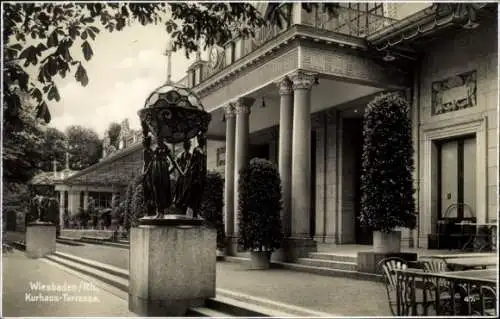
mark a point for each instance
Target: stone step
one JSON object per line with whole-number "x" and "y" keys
{"x": 333, "y": 256}
{"x": 70, "y": 242}
{"x": 104, "y": 242}
{"x": 238, "y": 308}
{"x": 205, "y": 312}
{"x": 334, "y": 264}
{"x": 220, "y": 306}
{"x": 104, "y": 276}
{"x": 271, "y": 304}
{"x": 318, "y": 270}
{"x": 325, "y": 271}
{"x": 115, "y": 271}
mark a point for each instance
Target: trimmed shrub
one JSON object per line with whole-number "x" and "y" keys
{"x": 137, "y": 207}
{"x": 260, "y": 204}
{"x": 212, "y": 203}
{"x": 387, "y": 182}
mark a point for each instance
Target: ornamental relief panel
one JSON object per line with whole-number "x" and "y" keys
{"x": 454, "y": 93}
{"x": 250, "y": 80}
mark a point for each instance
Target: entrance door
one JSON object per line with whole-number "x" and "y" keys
{"x": 457, "y": 178}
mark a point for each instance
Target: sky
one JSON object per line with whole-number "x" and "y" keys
{"x": 125, "y": 68}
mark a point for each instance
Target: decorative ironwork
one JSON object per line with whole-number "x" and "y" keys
{"x": 357, "y": 23}
{"x": 173, "y": 115}
{"x": 454, "y": 93}
{"x": 432, "y": 294}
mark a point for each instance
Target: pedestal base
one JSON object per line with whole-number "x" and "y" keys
{"x": 293, "y": 248}
{"x": 172, "y": 268}
{"x": 40, "y": 239}
{"x": 368, "y": 260}
{"x": 231, "y": 248}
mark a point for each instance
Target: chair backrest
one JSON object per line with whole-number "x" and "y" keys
{"x": 386, "y": 267}
{"x": 489, "y": 308}
{"x": 435, "y": 264}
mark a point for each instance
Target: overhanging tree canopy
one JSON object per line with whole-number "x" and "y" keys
{"x": 38, "y": 37}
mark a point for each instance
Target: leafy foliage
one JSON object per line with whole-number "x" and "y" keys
{"x": 16, "y": 197}
{"x": 260, "y": 204}
{"x": 84, "y": 146}
{"x": 53, "y": 146}
{"x": 137, "y": 205}
{"x": 387, "y": 183}
{"x": 40, "y": 36}
{"x": 22, "y": 145}
{"x": 212, "y": 203}
{"x": 114, "y": 134}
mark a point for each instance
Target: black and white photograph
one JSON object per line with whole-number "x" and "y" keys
{"x": 249, "y": 159}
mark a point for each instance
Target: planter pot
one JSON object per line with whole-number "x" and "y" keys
{"x": 260, "y": 259}
{"x": 387, "y": 242}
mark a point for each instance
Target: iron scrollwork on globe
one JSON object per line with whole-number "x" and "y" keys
{"x": 170, "y": 116}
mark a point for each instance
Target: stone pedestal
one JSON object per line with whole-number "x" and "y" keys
{"x": 40, "y": 239}
{"x": 294, "y": 248}
{"x": 231, "y": 248}
{"x": 368, "y": 260}
{"x": 172, "y": 268}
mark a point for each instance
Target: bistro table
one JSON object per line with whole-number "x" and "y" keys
{"x": 471, "y": 263}
{"x": 483, "y": 274}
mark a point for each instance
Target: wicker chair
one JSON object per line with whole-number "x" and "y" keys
{"x": 434, "y": 264}
{"x": 386, "y": 267}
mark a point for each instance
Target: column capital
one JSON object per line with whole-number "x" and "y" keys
{"x": 285, "y": 86}
{"x": 230, "y": 110}
{"x": 303, "y": 80}
{"x": 243, "y": 105}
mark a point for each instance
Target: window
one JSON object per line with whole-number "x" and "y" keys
{"x": 81, "y": 199}
{"x": 102, "y": 199}
{"x": 66, "y": 199}
{"x": 237, "y": 49}
{"x": 193, "y": 78}
{"x": 221, "y": 156}
{"x": 230, "y": 52}
{"x": 197, "y": 76}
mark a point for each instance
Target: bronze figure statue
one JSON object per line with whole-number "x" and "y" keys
{"x": 182, "y": 185}
{"x": 196, "y": 172}
{"x": 173, "y": 115}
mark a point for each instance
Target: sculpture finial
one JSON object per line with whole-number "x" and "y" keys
{"x": 168, "y": 52}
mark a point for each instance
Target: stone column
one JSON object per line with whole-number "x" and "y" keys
{"x": 285, "y": 150}
{"x": 241, "y": 147}
{"x": 61, "y": 208}
{"x": 301, "y": 155}
{"x": 85, "y": 200}
{"x": 229, "y": 173}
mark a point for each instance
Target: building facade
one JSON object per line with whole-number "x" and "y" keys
{"x": 296, "y": 96}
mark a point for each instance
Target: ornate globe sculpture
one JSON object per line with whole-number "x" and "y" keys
{"x": 173, "y": 115}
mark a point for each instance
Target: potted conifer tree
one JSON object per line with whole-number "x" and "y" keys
{"x": 211, "y": 206}
{"x": 387, "y": 202}
{"x": 260, "y": 204}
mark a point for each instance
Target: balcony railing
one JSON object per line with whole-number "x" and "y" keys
{"x": 348, "y": 21}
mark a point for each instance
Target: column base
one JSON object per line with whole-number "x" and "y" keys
{"x": 231, "y": 246}
{"x": 172, "y": 268}
{"x": 293, "y": 248}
